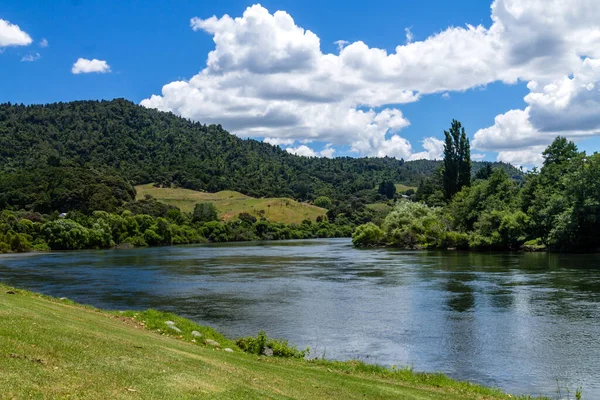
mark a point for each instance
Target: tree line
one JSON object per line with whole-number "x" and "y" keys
{"x": 555, "y": 207}
{"x": 119, "y": 144}
{"x": 147, "y": 223}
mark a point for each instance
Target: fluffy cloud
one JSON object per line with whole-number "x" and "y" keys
{"x": 12, "y": 35}
{"x": 556, "y": 42}
{"x": 43, "y": 43}
{"x": 327, "y": 151}
{"x": 278, "y": 141}
{"x": 566, "y": 106}
{"x": 259, "y": 42}
{"x": 85, "y": 66}
{"x": 510, "y": 131}
{"x": 304, "y": 150}
{"x": 31, "y": 57}
{"x": 529, "y": 156}
{"x": 267, "y": 77}
{"x": 433, "y": 150}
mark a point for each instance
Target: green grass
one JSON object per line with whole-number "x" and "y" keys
{"x": 230, "y": 204}
{"x": 400, "y": 188}
{"x": 54, "y": 348}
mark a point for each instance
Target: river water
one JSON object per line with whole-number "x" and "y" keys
{"x": 515, "y": 321}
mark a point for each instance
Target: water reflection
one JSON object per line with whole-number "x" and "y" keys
{"x": 518, "y": 321}
{"x": 461, "y": 296}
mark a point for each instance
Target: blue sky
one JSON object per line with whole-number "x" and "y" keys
{"x": 147, "y": 45}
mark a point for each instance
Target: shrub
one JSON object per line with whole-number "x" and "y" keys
{"x": 64, "y": 234}
{"x": 367, "y": 235}
{"x": 215, "y": 231}
{"x": 247, "y": 219}
{"x": 456, "y": 240}
{"x": 136, "y": 241}
{"x": 4, "y": 247}
{"x": 280, "y": 348}
{"x": 205, "y": 212}
{"x": 151, "y": 237}
{"x": 323, "y": 202}
{"x": 415, "y": 225}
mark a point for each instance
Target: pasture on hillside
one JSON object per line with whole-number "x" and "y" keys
{"x": 230, "y": 204}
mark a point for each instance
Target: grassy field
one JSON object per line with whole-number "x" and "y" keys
{"x": 400, "y": 188}
{"x": 54, "y": 348}
{"x": 230, "y": 204}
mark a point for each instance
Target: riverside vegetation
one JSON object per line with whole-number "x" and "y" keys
{"x": 85, "y": 158}
{"x": 159, "y": 225}
{"x": 556, "y": 207}
{"x": 55, "y": 348}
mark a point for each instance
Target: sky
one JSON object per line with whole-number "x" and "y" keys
{"x": 325, "y": 78}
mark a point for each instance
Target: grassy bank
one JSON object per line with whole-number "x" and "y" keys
{"x": 230, "y": 204}
{"x": 53, "y": 348}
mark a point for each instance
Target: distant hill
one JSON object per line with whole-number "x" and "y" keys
{"x": 230, "y": 204}
{"x": 137, "y": 145}
{"x": 428, "y": 167}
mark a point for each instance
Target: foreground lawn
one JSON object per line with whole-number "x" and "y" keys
{"x": 53, "y": 348}
{"x": 230, "y": 204}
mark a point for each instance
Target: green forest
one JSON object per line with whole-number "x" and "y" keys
{"x": 47, "y": 150}
{"x": 68, "y": 171}
{"x": 556, "y": 207}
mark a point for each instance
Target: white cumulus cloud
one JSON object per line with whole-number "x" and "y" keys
{"x": 567, "y": 106}
{"x": 85, "y": 66}
{"x": 12, "y": 35}
{"x": 278, "y": 141}
{"x": 557, "y": 42}
{"x": 268, "y": 77}
{"x": 304, "y": 150}
{"x": 434, "y": 148}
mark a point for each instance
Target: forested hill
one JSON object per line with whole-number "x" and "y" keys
{"x": 140, "y": 145}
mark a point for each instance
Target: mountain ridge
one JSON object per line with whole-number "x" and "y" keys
{"x": 144, "y": 145}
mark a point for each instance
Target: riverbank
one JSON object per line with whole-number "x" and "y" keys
{"x": 56, "y": 348}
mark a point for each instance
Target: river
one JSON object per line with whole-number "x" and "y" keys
{"x": 511, "y": 320}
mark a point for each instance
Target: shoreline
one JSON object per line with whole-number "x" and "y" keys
{"x": 152, "y": 325}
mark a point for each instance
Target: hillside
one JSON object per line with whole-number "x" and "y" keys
{"x": 230, "y": 204}
{"x": 57, "y": 349}
{"x": 138, "y": 145}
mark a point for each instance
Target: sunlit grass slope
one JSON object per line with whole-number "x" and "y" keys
{"x": 400, "y": 188}
{"x": 230, "y": 204}
{"x": 54, "y": 348}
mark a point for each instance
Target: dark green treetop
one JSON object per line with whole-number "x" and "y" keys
{"x": 457, "y": 160}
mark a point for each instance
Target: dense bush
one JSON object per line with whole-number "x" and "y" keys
{"x": 557, "y": 207}
{"x": 205, "y": 212}
{"x": 414, "y": 225}
{"x": 280, "y": 348}
{"x": 323, "y": 202}
{"x": 367, "y": 235}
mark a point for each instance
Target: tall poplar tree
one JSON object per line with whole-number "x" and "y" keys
{"x": 457, "y": 160}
